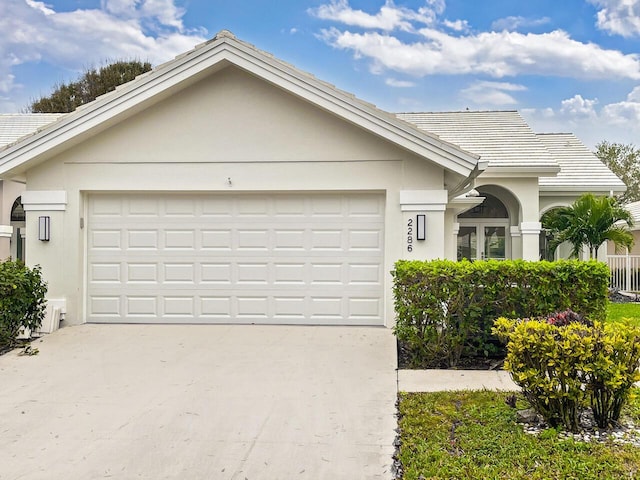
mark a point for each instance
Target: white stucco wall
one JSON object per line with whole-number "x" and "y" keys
{"x": 230, "y": 126}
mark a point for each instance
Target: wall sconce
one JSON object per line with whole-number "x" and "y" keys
{"x": 44, "y": 228}
{"x": 421, "y": 227}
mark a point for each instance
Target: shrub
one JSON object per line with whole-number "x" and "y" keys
{"x": 445, "y": 310}
{"x": 564, "y": 363}
{"x": 614, "y": 370}
{"x": 22, "y": 300}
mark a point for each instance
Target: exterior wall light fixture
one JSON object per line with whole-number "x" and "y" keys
{"x": 44, "y": 228}
{"x": 421, "y": 227}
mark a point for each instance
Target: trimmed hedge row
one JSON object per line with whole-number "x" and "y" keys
{"x": 22, "y": 300}
{"x": 445, "y": 309}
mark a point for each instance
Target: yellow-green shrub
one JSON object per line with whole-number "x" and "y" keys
{"x": 565, "y": 366}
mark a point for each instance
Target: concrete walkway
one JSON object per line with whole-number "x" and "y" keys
{"x": 200, "y": 402}
{"x": 441, "y": 380}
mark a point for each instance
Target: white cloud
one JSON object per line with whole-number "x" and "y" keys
{"x": 515, "y": 23}
{"x": 621, "y": 17}
{"x": 162, "y": 12}
{"x": 497, "y": 54}
{"x": 625, "y": 112}
{"x": 121, "y": 29}
{"x": 40, "y": 6}
{"x": 392, "y": 82}
{"x": 492, "y": 93}
{"x": 445, "y": 47}
{"x": 390, "y": 17}
{"x": 579, "y": 107}
{"x": 592, "y": 123}
{"x": 457, "y": 26}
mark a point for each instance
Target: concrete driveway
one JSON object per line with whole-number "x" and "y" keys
{"x": 200, "y": 402}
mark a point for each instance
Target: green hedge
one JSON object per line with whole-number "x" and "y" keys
{"x": 445, "y": 309}
{"x": 22, "y": 300}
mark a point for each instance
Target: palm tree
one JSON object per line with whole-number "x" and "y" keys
{"x": 589, "y": 221}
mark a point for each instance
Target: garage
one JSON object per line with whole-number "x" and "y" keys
{"x": 227, "y": 186}
{"x": 235, "y": 258}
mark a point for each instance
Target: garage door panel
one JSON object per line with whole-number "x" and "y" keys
{"x": 287, "y": 274}
{"x": 253, "y": 306}
{"x": 365, "y": 274}
{"x": 367, "y": 308}
{"x": 142, "y": 240}
{"x": 143, "y": 207}
{"x": 105, "y": 273}
{"x": 180, "y": 273}
{"x": 246, "y": 258}
{"x": 289, "y": 240}
{"x": 178, "y": 306}
{"x": 252, "y": 273}
{"x": 146, "y": 306}
{"x": 216, "y": 273}
{"x": 105, "y": 240}
{"x": 142, "y": 273}
{"x": 216, "y": 240}
{"x": 180, "y": 239}
{"x": 105, "y": 306}
{"x": 365, "y": 240}
{"x": 253, "y": 240}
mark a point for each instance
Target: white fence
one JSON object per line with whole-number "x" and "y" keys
{"x": 625, "y": 272}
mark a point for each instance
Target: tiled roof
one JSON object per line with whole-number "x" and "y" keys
{"x": 580, "y": 169}
{"x": 16, "y": 125}
{"x": 502, "y": 138}
{"x": 634, "y": 209}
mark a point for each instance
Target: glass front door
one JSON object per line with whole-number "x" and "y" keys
{"x": 482, "y": 242}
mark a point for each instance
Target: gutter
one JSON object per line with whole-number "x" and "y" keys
{"x": 468, "y": 183}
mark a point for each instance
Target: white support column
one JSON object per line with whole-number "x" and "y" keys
{"x": 516, "y": 241}
{"x": 48, "y": 254}
{"x": 531, "y": 240}
{"x": 455, "y": 230}
{"x": 5, "y": 241}
{"x": 432, "y": 204}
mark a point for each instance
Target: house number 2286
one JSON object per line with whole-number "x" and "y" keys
{"x": 410, "y": 235}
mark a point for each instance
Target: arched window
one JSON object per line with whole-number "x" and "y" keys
{"x": 491, "y": 207}
{"x": 17, "y": 212}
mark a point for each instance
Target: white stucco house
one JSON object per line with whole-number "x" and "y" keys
{"x": 229, "y": 186}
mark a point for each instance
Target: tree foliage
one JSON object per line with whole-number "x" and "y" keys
{"x": 93, "y": 83}
{"x": 624, "y": 161}
{"x": 589, "y": 222}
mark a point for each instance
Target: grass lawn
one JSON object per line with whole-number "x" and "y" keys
{"x": 473, "y": 435}
{"x": 618, "y": 311}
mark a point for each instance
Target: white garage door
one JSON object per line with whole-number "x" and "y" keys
{"x": 308, "y": 259}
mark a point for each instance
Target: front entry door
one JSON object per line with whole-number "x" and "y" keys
{"x": 483, "y": 242}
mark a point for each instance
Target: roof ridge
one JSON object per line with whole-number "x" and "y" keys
{"x": 457, "y": 111}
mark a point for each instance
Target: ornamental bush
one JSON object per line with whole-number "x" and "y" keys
{"x": 565, "y": 363}
{"x": 445, "y": 310}
{"x": 22, "y": 300}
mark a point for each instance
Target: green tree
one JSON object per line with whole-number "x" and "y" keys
{"x": 589, "y": 221}
{"x": 624, "y": 161}
{"x": 93, "y": 83}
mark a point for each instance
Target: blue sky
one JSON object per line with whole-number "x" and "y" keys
{"x": 567, "y": 65}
